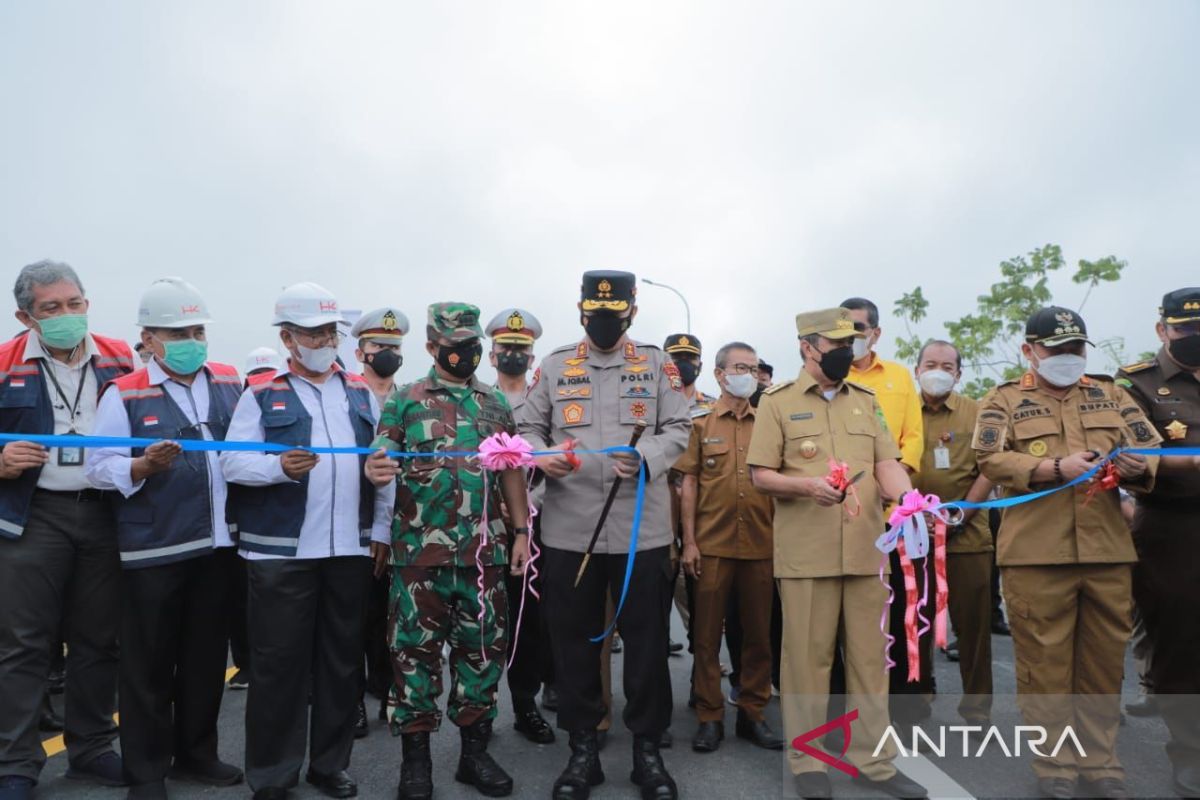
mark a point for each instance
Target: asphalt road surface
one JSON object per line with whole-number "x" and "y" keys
{"x": 737, "y": 770}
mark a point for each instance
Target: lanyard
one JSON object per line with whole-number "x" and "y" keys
{"x": 72, "y": 408}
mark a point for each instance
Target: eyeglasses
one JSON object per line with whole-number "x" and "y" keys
{"x": 742, "y": 369}
{"x": 319, "y": 338}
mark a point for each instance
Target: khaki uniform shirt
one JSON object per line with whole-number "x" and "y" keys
{"x": 596, "y": 398}
{"x": 1019, "y": 425}
{"x": 796, "y": 432}
{"x": 950, "y": 428}
{"x": 733, "y": 519}
{"x": 1170, "y": 397}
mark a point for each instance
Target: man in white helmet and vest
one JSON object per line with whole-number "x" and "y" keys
{"x": 176, "y": 548}
{"x": 308, "y": 526}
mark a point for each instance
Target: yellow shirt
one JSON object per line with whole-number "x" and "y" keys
{"x": 901, "y": 404}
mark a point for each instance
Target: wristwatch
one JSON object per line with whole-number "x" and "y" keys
{"x": 519, "y": 531}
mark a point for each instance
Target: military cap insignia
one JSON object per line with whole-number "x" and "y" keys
{"x": 389, "y": 321}
{"x": 516, "y": 322}
{"x": 1176, "y": 430}
{"x": 685, "y": 341}
{"x": 1191, "y": 306}
{"x": 604, "y": 289}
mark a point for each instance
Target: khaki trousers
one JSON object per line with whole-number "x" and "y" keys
{"x": 817, "y": 614}
{"x": 969, "y": 576}
{"x": 1070, "y": 626}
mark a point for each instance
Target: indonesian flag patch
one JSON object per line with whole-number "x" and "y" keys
{"x": 148, "y": 421}
{"x": 17, "y": 383}
{"x": 278, "y": 406}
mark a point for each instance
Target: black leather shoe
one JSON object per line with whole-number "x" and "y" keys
{"x": 757, "y": 732}
{"x": 148, "y": 791}
{"x": 533, "y": 726}
{"x": 674, "y": 647}
{"x": 271, "y": 793}
{"x": 1056, "y": 788}
{"x": 583, "y": 768}
{"x": 665, "y": 740}
{"x": 1144, "y": 706}
{"x": 708, "y": 737}
{"x": 649, "y": 773}
{"x": 549, "y": 698}
{"x": 361, "y": 726}
{"x": 213, "y": 773}
{"x": 106, "y": 769}
{"x": 1103, "y": 787}
{"x": 813, "y": 785}
{"x": 899, "y": 785}
{"x": 1187, "y": 781}
{"x": 617, "y": 647}
{"x": 1000, "y": 627}
{"x": 339, "y": 784}
{"x": 49, "y": 720}
{"x": 416, "y": 771}
{"x": 477, "y": 768}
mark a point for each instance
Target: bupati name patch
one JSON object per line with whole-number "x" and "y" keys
{"x": 1107, "y": 405}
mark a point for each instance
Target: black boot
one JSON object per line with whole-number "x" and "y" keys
{"x": 476, "y": 767}
{"x": 583, "y": 769}
{"x": 416, "y": 772}
{"x": 649, "y": 772}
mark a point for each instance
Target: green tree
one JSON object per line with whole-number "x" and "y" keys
{"x": 989, "y": 339}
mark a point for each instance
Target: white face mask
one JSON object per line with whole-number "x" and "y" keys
{"x": 861, "y": 348}
{"x": 318, "y": 359}
{"x": 1062, "y": 370}
{"x": 741, "y": 385}
{"x": 936, "y": 382}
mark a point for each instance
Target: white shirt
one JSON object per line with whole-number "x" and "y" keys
{"x": 53, "y": 476}
{"x": 109, "y": 467}
{"x": 330, "y": 525}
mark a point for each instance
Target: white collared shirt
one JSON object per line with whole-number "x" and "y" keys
{"x": 53, "y": 476}
{"x": 330, "y": 525}
{"x": 109, "y": 467}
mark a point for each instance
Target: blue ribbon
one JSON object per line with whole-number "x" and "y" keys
{"x": 633, "y": 543}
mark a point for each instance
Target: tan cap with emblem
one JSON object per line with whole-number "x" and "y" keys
{"x": 832, "y": 323}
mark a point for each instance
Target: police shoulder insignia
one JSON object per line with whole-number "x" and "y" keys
{"x": 1138, "y": 367}
{"x": 1028, "y": 381}
{"x": 537, "y": 377}
{"x": 672, "y": 372}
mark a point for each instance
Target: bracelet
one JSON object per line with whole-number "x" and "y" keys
{"x": 1058, "y": 470}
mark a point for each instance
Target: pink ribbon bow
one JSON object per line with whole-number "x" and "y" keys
{"x": 500, "y": 451}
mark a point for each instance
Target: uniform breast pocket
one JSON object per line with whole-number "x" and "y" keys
{"x": 804, "y": 442}
{"x": 861, "y": 431}
{"x": 638, "y": 410}
{"x": 714, "y": 456}
{"x": 1104, "y": 430}
{"x": 1038, "y": 436}
{"x": 573, "y": 412}
{"x": 429, "y": 459}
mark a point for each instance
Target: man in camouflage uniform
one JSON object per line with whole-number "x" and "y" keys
{"x": 438, "y": 552}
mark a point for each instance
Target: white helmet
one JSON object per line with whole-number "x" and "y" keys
{"x": 172, "y": 303}
{"x": 263, "y": 358}
{"x": 307, "y": 305}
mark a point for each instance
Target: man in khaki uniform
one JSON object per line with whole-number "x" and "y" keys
{"x": 826, "y": 563}
{"x": 950, "y": 471}
{"x": 727, "y": 551}
{"x": 595, "y": 392}
{"x": 1065, "y": 559}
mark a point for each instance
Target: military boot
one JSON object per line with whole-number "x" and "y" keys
{"x": 649, "y": 772}
{"x": 476, "y": 767}
{"x": 416, "y": 771}
{"x": 583, "y": 769}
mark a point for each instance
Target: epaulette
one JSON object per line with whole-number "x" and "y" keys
{"x": 775, "y": 387}
{"x": 700, "y": 411}
{"x": 860, "y": 387}
{"x": 564, "y": 348}
{"x": 1138, "y": 367}
{"x": 1099, "y": 377}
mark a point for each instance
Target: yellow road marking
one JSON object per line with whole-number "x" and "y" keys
{"x": 55, "y": 745}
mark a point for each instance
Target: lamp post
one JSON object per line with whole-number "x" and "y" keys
{"x": 686, "y": 308}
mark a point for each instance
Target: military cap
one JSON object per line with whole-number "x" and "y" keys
{"x": 1181, "y": 305}
{"x": 682, "y": 343}
{"x": 514, "y": 326}
{"x": 453, "y": 322}
{"x": 832, "y": 323}
{"x": 1055, "y": 325}
{"x": 608, "y": 290}
{"x": 383, "y": 325}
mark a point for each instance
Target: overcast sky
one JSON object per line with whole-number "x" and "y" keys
{"x": 763, "y": 158}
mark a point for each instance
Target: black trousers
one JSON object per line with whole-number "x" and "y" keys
{"x": 173, "y": 632}
{"x": 239, "y": 648}
{"x": 576, "y": 614}
{"x": 378, "y": 676}
{"x": 64, "y": 569}
{"x": 306, "y": 632}
{"x": 527, "y": 672}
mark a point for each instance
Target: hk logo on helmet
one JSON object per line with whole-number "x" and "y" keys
{"x": 189, "y": 309}
{"x": 329, "y": 305}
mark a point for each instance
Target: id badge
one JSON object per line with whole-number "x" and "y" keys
{"x": 941, "y": 458}
{"x": 70, "y": 456}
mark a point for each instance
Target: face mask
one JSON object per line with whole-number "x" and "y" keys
{"x": 513, "y": 364}
{"x": 318, "y": 359}
{"x": 183, "y": 357}
{"x": 742, "y": 386}
{"x": 689, "y": 371}
{"x": 64, "y": 331}
{"x": 605, "y": 330}
{"x": 1186, "y": 351}
{"x": 754, "y": 398}
{"x": 936, "y": 382}
{"x": 836, "y": 363}
{"x": 384, "y": 362}
{"x": 460, "y": 360}
{"x": 1062, "y": 370}
{"x": 861, "y": 348}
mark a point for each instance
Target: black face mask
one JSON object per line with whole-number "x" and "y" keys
{"x": 836, "y": 363}
{"x": 605, "y": 330}
{"x": 688, "y": 371}
{"x": 384, "y": 362}
{"x": 1186, "y": 351}
{"x": 460, "y": 360}
{"x": 754, "y": 398}
{"x": 510, "y": 363}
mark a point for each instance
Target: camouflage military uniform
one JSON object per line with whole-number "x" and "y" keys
{"x": 435, "y": 536}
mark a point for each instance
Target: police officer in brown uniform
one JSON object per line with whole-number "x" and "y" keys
{"x": 1166, "y": 579}
{"x": 949, "y": 470}
{"x": 826, "y": 564}
{"x": 1065, "y": 558}
{"x": 595, "y": 392}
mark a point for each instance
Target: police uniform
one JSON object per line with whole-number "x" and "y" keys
{"x": 1166, "y": 579}
{"x": 596, "y": 398}
{"x": 826, "y": 564}
{"x": 1065, "y": 558}
{"x": 527, "y": 672}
